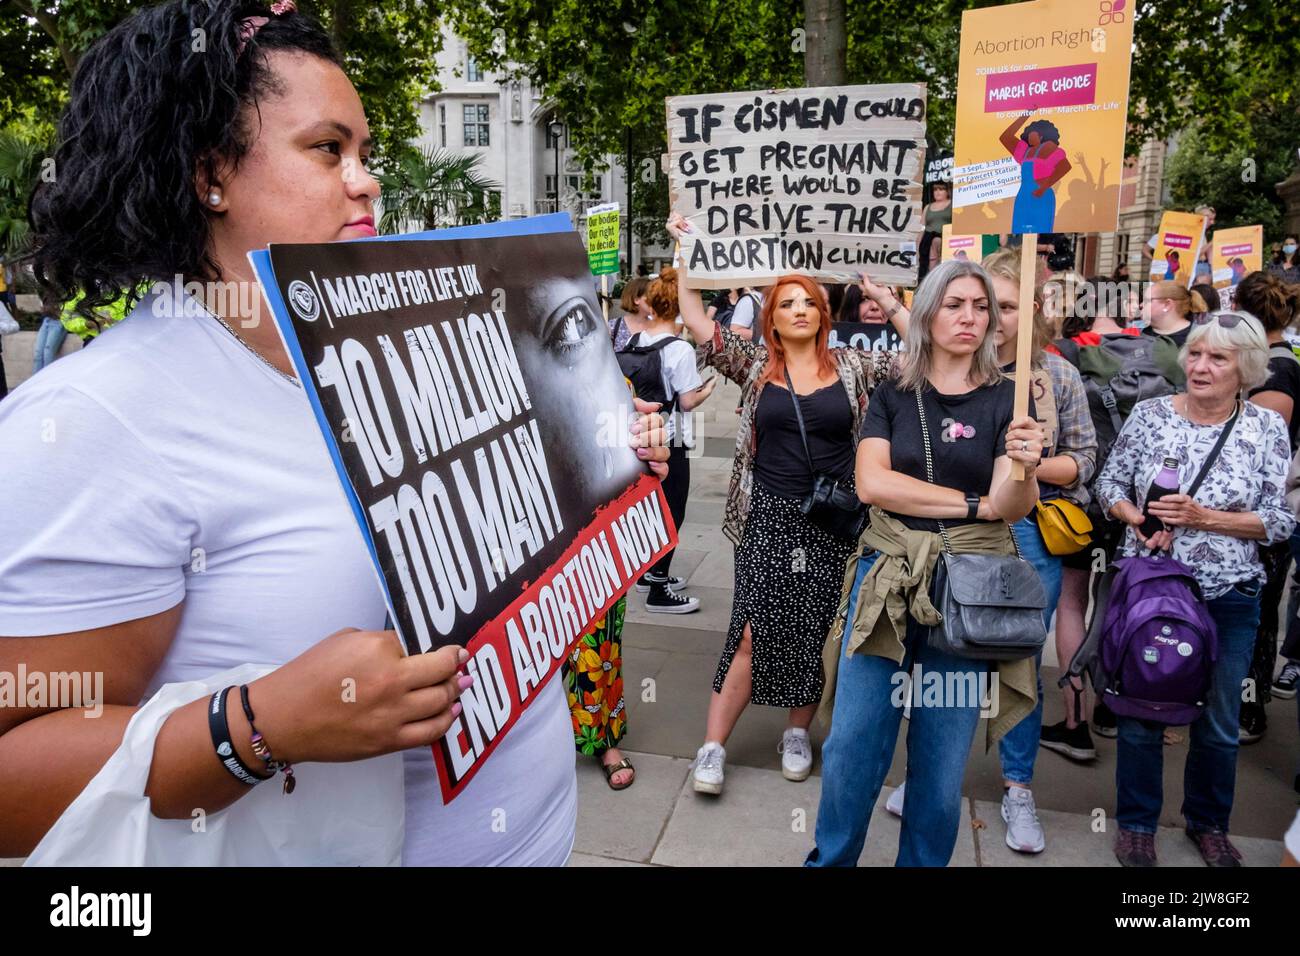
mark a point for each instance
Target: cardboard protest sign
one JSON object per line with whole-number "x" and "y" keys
{"x": 868, "y": 336}
{"x": 503, "y": 506}
{"x": 1234, "y": 253}
{"x": 1042, "y": 107}
{"x": 823, "y": 181}
{"x": 602, "y": 239}
{"x": 1178, "y": 246}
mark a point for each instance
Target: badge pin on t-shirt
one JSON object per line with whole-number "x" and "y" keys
{"x": 956, "y": 430}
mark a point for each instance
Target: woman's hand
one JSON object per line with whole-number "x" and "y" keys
{"x": 1025, "y": 443}
{"x": 1179, "y": 511}
{"x": 356, "y": 695}
{"x": 678, "y": 226}
{"x": 1131, "y": 514}
{"x": 879, "y": 294}
{"x": 1038, "y": 193}
{"x": 649, "y": 437}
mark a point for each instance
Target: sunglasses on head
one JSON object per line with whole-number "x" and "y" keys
{"x": 1229, "y": 320}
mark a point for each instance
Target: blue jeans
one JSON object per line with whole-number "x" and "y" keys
{"x": 1019, "y": 748}
{"x": 49, "y": 339}
{"x": 864, "y": 728}
{"x": 1211, "y": 769}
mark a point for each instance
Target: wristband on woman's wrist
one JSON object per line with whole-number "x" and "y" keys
{"x": 219, "y": 727}
{"x": 261, "y": 748}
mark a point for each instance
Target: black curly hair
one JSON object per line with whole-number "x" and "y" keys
{"x": 159, "y": 97}
{"x": 1045, "y": 131}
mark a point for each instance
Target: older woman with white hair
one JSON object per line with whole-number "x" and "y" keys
{"x": 1217, "y": 535}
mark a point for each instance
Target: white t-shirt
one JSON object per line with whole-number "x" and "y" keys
{"x": 166, "y": 462}
{"x": 679, "y": 373}
{"x": 745, "y": 314}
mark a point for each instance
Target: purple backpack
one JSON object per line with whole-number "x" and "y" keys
{"x": 1159, "y": 643}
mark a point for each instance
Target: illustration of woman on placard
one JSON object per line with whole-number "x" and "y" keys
{"x": 1172, "y": 265}
{"x": 1238, "y": 267}
{"x": 1042, "y": 165}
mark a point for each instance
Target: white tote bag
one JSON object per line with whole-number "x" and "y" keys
{"x": 8, "y": 324}
{"x": 340, "y": 814}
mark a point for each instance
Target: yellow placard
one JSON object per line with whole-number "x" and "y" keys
{"x": 1042, "y": 105}
{"x": 961, "y": 246}
{"x": 1235, "y": 253}
{"x": 1178, "y": 246}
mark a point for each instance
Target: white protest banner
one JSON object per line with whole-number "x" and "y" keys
{"x": 822, "y": 181}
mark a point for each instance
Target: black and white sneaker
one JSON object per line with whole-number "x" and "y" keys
{"x": 664, "y": 601}
{"x": 1104, "y": 722}
{"x": 674, "y": 583}
{"x": 1284, "y": 683}
{"x": 1074, "y": 743}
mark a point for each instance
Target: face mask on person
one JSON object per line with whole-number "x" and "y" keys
{"x": 1289, "y": 248}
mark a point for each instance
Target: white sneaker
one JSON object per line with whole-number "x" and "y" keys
{"x": 1024, "y": 832}
{"x": 796, "y": 754}
{"x": 709, "y": 760}
{"x": 895, "y": 802}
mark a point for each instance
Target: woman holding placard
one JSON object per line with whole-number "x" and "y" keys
{"x": 185, "y": 517}
{"x": 934, "y": 461}
{"x": 801, "y": 406}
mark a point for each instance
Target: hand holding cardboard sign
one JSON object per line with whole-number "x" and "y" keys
{"x": 649, "y": 436}
{"x": 356, "y": 695}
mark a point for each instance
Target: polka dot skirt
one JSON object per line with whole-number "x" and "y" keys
{"x": 788, "y": 578}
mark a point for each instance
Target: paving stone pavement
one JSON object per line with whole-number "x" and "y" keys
{"x": 762, "y": 819}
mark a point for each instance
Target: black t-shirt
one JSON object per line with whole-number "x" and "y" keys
{"x": 780, "y": 464}
{"x": 1179, "y": 338}
{"x": 964, "y": 463}
{"x": 1284, "y": 377}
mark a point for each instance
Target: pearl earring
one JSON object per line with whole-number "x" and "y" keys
{"x": 214, "y": 198}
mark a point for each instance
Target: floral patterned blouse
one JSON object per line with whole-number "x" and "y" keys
{"x": 1249, "y": 475}
{"x": 744, "y": 362}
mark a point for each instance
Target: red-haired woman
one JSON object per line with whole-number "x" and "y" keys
{"x": 789, "y": 571}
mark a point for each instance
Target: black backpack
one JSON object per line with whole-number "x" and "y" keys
{"x": 643, "y": 365}
{"x": 724, "y": 306}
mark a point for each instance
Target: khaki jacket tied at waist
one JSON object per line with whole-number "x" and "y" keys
{"x": 898, "y": 585}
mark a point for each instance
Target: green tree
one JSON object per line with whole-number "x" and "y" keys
{"x": 388, "y": 50}
{"x": 606, "y": 68}
{"x": 20, "y": 166}
{"x": 436, "y": 189}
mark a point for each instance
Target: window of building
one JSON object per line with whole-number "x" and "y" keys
{"x": 442, "y": 124}
{"x": 550, "y": 185}
{"x": 476, "y": 125}
{"x": 473, "y": 72}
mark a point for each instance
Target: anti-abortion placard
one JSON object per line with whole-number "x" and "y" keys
{"x": 477, "y": 416}
{"x": 1042, "y": 107}
{"x": 868, "y": 336}
{"x": 1235, "y": 253}
{"x": 1178, "y": 247}
{"x": 823, "y": 181}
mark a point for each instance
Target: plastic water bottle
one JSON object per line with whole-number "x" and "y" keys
{"x": 1166, "y": 483}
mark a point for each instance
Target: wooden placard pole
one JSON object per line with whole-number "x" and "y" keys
{"x": 604, "y": 296}
{"x": 1025, "y": 333}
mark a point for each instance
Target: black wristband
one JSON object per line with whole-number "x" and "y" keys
{"x": 972, "y": 507}
{"x": 219, "y": 727}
